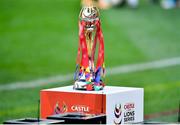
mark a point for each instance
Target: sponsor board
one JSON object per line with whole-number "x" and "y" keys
{"x": 53, "y": 102}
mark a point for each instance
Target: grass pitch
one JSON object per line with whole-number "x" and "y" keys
{"x": 40, "y": 38}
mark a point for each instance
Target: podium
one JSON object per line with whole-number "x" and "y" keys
{"x": 118, "y": 104}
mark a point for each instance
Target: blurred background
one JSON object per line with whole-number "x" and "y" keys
{"x": 38, "y": 48}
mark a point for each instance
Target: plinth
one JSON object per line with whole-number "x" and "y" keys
{"x": 119, "y": 104}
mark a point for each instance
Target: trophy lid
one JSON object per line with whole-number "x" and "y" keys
{"x": 89, "y": 14}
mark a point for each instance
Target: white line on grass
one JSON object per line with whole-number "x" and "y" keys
{"x": 110, "y": 71}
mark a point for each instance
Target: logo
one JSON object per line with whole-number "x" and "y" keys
{"x": 80, "y": 108}
{"x": 129, "y": 113}
{"x": 60, "y": 109}
{"x": 117, "y": 114}
{"x": 129, "y": 106}
{"x": 124, "y": 113}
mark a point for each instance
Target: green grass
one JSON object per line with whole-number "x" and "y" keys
{"x": 166, "y": 119}
{"x": 39, "y": 38}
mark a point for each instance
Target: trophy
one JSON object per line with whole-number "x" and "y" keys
{"x": 90, "y": 67}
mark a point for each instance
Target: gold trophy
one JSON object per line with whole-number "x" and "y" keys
{"x": 89, "y": 71}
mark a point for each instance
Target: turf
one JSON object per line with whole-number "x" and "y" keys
{"x": 38, "y": 38}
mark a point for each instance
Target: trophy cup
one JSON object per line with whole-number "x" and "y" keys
{"x": 90, "y": 70}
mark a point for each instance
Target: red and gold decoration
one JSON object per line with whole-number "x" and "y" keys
{"x": 90, "y": 70}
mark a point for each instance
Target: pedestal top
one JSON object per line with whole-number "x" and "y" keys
{"x": 106, "y": 90}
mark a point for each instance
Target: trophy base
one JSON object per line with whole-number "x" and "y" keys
{"x": 116, "y": 103}
{"x": 81, "y": 85}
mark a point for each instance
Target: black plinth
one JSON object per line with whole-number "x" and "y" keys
{"x": 33, "y": 121}
{"x": 78, "y": 118}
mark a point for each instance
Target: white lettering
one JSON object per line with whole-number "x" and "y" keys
{"x": 80, "y": 108}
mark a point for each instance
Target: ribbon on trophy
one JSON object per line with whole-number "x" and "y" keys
{"x": 83, "y": 60}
